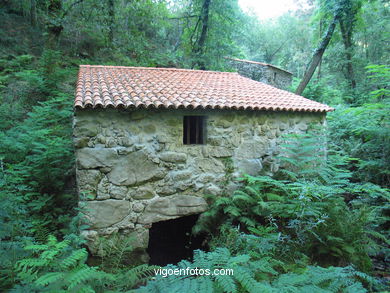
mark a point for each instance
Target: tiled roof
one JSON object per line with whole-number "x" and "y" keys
{"x": 140, "y": 87}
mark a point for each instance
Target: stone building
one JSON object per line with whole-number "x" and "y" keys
{"x": 262, "y": 72}
{"x": 150, "y": 142}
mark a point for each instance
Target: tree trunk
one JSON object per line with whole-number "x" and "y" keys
{"x": 55, "y": 18}
{"x": 319, "y": 65}
{"x": 317, "y": 56}
{"x": 33, "y": 13}
{"x": 198, "y": 48}
{"x": 111, "y": 21}
{"x": 53, "y": 24}
{"x": 346, "y": 33}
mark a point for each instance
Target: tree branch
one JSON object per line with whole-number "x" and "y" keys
{"x": 70, "y": 8}
{"x": 183, "y": 17}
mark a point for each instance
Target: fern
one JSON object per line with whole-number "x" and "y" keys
{"x": 317, "y": 279}
{"x": 248, "y": 274}
{"x": 308, "y": 210}
{"x": 57, "y": 267}
{"x": 133, "y": 277}
{"x": 242, "y": 279}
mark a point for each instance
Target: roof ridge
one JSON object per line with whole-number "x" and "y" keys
{"x": 154, "y": 68}
{"x": 258, "y": 63}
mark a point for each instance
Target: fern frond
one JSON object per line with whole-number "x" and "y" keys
{"x": 72, "y": 260}
{"x": 246, "y": 280}
{"x": 226, "y": 283}
{"x": 80, "y": 275}
{"x": 49, "y": 278}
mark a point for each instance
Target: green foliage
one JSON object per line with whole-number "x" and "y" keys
{"x": 36, "y": 159}
{"x": 380, "y": 77}
{"x": 55, "y": 267}
{"x": 320, "y": 90}
{"x": 41, "y": 143}
{"x": 303, "y": 155}
{"x": 13, "y": 232}
{"x": 317, "y": 279}
{"x": 307, "y": 208}
{"x": 223, "y": 21}
{"x": 117, "y": 255}
{"x": 247, "y": 275}
{"x": 363, "y": 133}
{"x": 61, "y": 267}
{"x": 204, "y": 279}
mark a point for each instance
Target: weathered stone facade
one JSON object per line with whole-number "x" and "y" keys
{"x": 136, "y": 171}
{"x": 262, "y": 72}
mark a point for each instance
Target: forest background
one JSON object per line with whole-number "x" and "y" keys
{"x": 316, "y": 225}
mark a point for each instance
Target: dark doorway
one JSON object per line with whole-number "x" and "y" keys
{"x": 171, "y": 241}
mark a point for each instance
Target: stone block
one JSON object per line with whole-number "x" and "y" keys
{"x": 118, "y": 192}
{"x": 166, "y": 190}
{"x": 140, "y": 236}
{"x": 220, "y": 152}
{"x": 223, "y": 124}
{"x": 213, "y": 190}
{"x": 302, "y": 126}
{"x": 90, "y": 158}
{"x": 150, "y": 128}
{"x": 175, "y": 122}
{"x": 127, "y": 141}
{"x": 283, "y": 126}
{"x": 100, "y": 138}
{"x": 214, "y": 140}
{"x": 249, "y": 166}
{"x": 210, "y": 165}
{"x": 110, "y": 142}
{"x": 252, "y": 149}
{"x": 162, "y": 138}
{"x": 143, "y": 192}
{"x": 173, "y": 157}
{"x": 206, "y": 177}
{"x": 171, "y": 207}
{"x": 105, "y": 213}
{"x": 85, "y": 129}
{"x": 134, "y": 168}
{"x": 138, "y": 207}
{"x": 88, "y": 180}
{"x": 181, "y": 175}
{"x": 103, "y": 189}
{"x": 81, "y": 142}
{"x": 128, "y": 222}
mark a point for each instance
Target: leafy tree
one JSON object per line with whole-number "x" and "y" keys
{"x": 347, "y": 26}
{"x": 208, "y": 37}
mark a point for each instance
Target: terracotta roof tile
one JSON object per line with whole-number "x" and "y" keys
{"x": 141, "y": 87}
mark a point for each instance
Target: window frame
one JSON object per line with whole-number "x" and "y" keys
{"x": 199, "y": 121}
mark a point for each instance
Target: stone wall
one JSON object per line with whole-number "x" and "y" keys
{"x": 133, "y": 169}
{"x": 262, "y": 72}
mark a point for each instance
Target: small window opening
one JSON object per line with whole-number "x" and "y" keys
{"x": 194, "y": 130}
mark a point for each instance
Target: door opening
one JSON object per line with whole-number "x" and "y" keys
{"x": 171, "y": 241}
